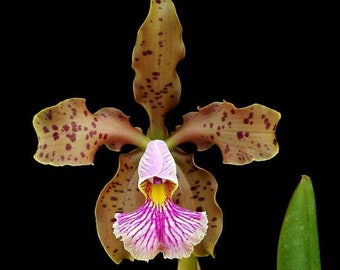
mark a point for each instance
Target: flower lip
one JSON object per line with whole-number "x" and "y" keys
{"x": 157, "y": 163}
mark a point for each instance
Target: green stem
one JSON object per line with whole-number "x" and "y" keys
{"x": 190, "y": 263}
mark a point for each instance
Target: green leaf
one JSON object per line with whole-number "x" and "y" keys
{"x": 298, "y": 246}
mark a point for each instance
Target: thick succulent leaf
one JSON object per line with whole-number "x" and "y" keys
{"x": 298, "y": 246}
{"x": 242, "y": 134}
{"x": 158, "y": 49}
{"x": 68, "y": 134}
{"x": 197, "y": 191}
{"x": 119, "y": 195}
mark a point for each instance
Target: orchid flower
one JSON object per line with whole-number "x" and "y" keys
{"x": 159, "y": 200}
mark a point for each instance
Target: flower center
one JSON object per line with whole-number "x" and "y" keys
{"x": 158, "y": 190}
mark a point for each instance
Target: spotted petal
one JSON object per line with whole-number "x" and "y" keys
{"x": 158, "y": 49}
{"x": 242, "y": 134}
{"x": 119, "y": 195}
{"x": 197, "y": 191}
{"x": 68, "y": 134}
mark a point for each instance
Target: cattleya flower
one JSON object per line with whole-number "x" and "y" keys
{"x": 159, "y": 200}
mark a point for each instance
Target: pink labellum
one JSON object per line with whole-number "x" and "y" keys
{"x": 165, "y": 228}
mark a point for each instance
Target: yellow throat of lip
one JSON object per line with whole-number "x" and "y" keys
{"x": 158, "y": 193}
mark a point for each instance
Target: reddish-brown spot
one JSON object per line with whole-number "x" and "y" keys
{"x": 54, "y": 127}
{"x": 239, "y": 135}
{"x": 92, "y": 133}
{"x": 226, "y": 149}
{"x": 66, "y": 127}
{"x": 45, "y": 129}
{"x": 74, "y": 126}
{"x": 74, "y": 111}
{"x": 55, "y": 136}
{"x": 71, "y": 136}
{"x": 68, "y": 147}
{"x": 147, "y": 52}
{"x": 49, "y": 115}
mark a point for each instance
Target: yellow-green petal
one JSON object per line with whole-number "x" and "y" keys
{"x": 158, "y": 49}
{"x": 197, "y": 192}
{"x": 121, "y": 194}
{"x": 68, "y": 134}
{"x": 242, "y": 134}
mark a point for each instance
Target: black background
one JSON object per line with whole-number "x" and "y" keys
{"x": 278, "y": 55}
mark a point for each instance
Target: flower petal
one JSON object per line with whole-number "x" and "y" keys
{"x": 243, "y": 134}
{"x": 164, "y": 227}
{"x": 197, "y": 191}
{"x": 159, "y": 47}
{"x": 68, "y": 134}
{"x": 157, "y": 161}
{"x": 119, "y": 195}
